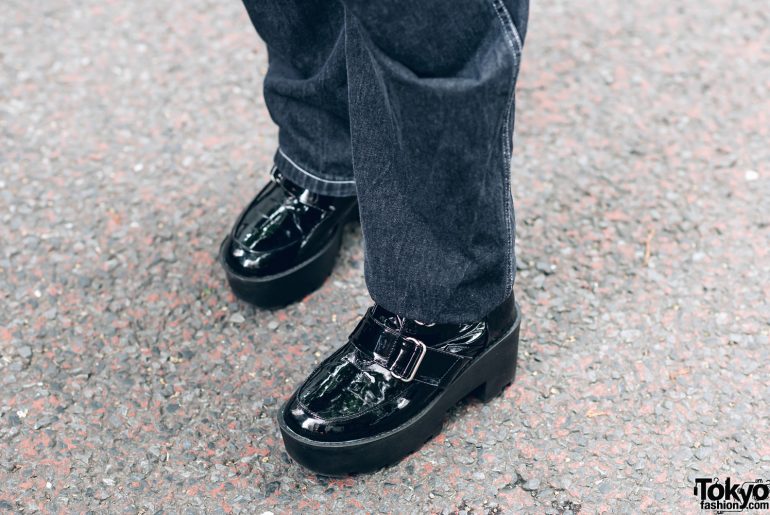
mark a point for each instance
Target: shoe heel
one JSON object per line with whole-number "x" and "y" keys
{"x": 505, "y": 373}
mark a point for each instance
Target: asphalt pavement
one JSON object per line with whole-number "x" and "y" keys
{"x": 131, "y": 380}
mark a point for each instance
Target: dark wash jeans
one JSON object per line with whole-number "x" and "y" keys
{"x": 409, "y": 105}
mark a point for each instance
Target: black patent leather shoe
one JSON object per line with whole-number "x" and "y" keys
{"x": 386, "y": 391}
{"x": 284, "y": 244}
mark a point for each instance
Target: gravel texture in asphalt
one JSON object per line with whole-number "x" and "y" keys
{"x": 131, "y": 135}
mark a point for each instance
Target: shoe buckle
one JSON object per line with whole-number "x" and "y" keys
{"x": 410, "y": 372}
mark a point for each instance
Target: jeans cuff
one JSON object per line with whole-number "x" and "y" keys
{"x": 312, "y": 180}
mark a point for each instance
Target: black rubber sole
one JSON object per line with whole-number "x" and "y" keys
{"x": 486, "y": 378}
{"x": 292, "y": 285}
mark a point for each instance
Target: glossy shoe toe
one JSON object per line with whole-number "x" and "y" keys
{"x": 345, "y": 400}
{"x": 284, "y": 244}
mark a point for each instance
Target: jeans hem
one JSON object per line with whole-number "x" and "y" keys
{"x": 312, "y": 180}
{"x": 401, "y": 308}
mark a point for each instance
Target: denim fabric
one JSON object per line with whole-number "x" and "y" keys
{"x": 410, "y": 106}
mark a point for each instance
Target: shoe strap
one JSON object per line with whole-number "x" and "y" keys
{"x": 406, "y": 357}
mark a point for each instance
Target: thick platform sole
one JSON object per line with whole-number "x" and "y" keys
{"x": 486, "y": 378}
{"x": 291, "y": 285}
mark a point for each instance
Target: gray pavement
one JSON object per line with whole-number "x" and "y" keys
{"x": 131, "y": 380}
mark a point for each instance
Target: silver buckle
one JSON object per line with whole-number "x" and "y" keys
{"x": 412, "y": 375}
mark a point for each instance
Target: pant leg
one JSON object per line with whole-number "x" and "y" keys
{"x": 306, "y": 90}
{"x": 431, "y": 88}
